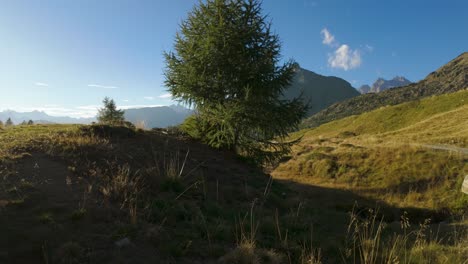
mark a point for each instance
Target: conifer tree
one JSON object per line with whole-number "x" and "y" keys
{"x": 30, "y": 122}
{"x": 226, "y": 63}
{"x": 109, "y": 114}
{"x": 9, "y": 123}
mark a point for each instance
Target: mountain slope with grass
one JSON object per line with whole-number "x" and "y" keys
{"x": 319, "y": 91}
{"x": 100, "y": 194}
{"x": 411, "y": 154}
{"x": 449, "y": 78}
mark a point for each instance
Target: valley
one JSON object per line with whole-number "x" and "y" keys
{"x": 187, "y": 132}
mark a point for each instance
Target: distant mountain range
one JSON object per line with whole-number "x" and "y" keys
{"x": 41, "y": 117}
{"x": 451, "y": 77}
{"x": 381, "y": 84}
{"x": 162, "y": 116}
{"x": 318, "y": 90}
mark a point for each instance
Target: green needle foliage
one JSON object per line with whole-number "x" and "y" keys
{"x": 109, "y": 114}
{"x": 225, "y": 63}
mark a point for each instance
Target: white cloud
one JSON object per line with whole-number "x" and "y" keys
{"x": 345, "y": 58}
{"x": 165, "y": 96}
{"x": 328, "y": 38}
{"x": 126, "y": 100}
{"x": 125, "y": 107}
{"x": 102, "y": 86}
{"x": 89, "y": 107}
{"x": 41, "y": 84}
{"x": 75, "y": 112}
{"x": 149, "y": 97}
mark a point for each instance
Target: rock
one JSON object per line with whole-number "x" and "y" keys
{"x": 465, "y": 185}
{"x": 124, "y": 242}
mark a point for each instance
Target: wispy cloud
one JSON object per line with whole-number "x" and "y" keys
{"x": 125, "y": 107}
{"x": 369, "y": 48}
{"x": 149, "y": 97}
{"x": 165, "y": 96}
{"x": 345, "y": 58}
{"x": 328, "y": 38}
{"x": 102, "y": 86}
{"x": 41, "y": 84}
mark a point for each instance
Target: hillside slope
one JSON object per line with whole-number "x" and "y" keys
{"x": 320, "y": 91}
{"x": 449, "y": 78}
{"x": 411, "y": 154}
{"x": 438, "y": 118}
{"x": 98, "y": 194}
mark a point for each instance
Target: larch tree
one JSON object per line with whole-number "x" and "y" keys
{"x": 109, "y": 114}
{"x": 226, "y": 64}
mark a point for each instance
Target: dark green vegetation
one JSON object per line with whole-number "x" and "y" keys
{"x": 318, "y": 91}
{"x": 9, "y": 123}
{"x": 109, "y": 114}
{"x": 226, "y": 64}
{"x": 449, "y": 78}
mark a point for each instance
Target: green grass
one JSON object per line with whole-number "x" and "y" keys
{"x": 383, "y": 154}
{"x": 393, "y": 118}
{"x": 218, "y": 208}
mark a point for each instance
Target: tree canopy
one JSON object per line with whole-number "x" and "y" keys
{"x": 226, "y": 63}
{"x": 109, "y": 114}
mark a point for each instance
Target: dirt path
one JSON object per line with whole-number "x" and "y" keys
{"x": 446, "y": 148}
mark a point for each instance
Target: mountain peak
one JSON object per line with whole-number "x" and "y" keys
{"x": 381, "y": 84}
{"x": 318, "y": 90}
{"x": 400, "y": 79}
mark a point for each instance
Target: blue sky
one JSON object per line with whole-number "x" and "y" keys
{"x": 64, "y": 56}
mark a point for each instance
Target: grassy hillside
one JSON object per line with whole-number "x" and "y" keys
{"x": 451, "y": 77}
{"x": 92, "y": 194}
{"x": 437, "y": 119}
{"x": 395, "y": 154}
